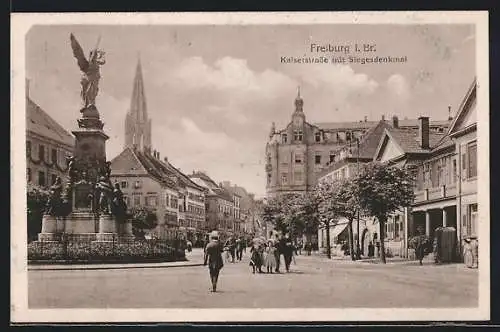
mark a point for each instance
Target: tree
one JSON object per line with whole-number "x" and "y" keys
{"x": 35, "y": 206}
{"x": 383, "y": 190}
{"x": 142, "y": 218}
{"x": 327, "y": 209}
{"x": 338, "y": 199}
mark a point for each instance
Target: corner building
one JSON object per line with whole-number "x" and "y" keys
{"x": 297, "y": 155}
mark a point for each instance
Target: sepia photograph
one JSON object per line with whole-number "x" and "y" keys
{"x": 250, "y": 167}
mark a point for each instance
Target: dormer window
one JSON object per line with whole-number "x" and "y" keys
{"x": 283, "y": 138}
{"x": 297, "y": 135}
{"x": 317, "y": 137}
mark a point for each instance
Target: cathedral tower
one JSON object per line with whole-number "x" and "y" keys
{"x": 137, "y": 123}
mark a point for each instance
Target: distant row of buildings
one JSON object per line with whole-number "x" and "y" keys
{"x": 442, "y": 155}
{"x": 186, "y": 206}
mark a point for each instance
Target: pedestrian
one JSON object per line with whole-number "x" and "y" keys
{"x": 255, "y": 259}
{"x": 277, "y": 253}
{"x": 288, "y": 251}
{"x": 239, "y": 249}
{"x": 189, "y": 246}
{"x": 213, "y": 256}
{"x": 270, "y": 257}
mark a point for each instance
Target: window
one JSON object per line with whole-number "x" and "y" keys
{"x": 298, "y": 158}
{"x": 167, "y": 199}
{"x": 28, "y": 175}
{"x": 284, "y": 178}
{"x": 317, "y": 159}
{"x": 174, "y": 203}
{"x": 124, "y": 184}
{"x": 137, "y": 184}
{"x": 151, "y": 201}
{"x": 53, "y": 178}
{"x": 127, "y": 200}
{"x": 137, "y": 200}
{"x": 268, "y": 178}
{"x": 473, "y": 216}
{"x": 472, "y": 160}
{"x": 283, "y": 138}
{"x": 41, "y": 178}
{"x": 41, "y": 152}
{"x": 348, "y": 136}
{"x": 332, "y": 158}
{"x": 53, "y": 156}
{"x": 297, "y": 135}
{"x": 28, "y": 148}
{"x": 317, "y": 137}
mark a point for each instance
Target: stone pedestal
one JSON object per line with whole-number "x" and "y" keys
{"x": 80, "y": 222}
{"x": 107, "y": 228}
{"x": 49, "y": 229}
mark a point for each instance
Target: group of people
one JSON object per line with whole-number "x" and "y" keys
{"x": 263, "y": 255}
{"x": 234, "y": 248}
{"x": 268, "y": 254}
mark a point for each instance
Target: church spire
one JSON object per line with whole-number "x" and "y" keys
{"x": 299, "y": 103}
{"x": 138, "y": 102}
{"x": 137, "y": 124}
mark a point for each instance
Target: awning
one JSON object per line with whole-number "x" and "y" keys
{"x": 337, "y": 229}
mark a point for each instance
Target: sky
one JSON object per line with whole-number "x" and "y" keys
{"x": 213, "y": 91}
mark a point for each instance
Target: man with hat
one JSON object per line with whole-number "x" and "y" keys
{"x": 213, "y": 256}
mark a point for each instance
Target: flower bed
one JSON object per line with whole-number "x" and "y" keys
{"x": 101, "y": 251}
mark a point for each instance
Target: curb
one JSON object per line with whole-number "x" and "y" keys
{"x": 110, "y": 267}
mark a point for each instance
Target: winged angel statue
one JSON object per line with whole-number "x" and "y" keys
{"x": 90, "y": 71}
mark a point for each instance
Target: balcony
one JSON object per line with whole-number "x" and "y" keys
{"x": 435, "y": 193}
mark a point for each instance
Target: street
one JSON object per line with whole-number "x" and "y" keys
{"x": 314, "y": 282}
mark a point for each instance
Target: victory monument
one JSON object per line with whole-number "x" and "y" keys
{"x": 87, "y": 206}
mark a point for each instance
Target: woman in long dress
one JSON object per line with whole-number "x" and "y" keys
{"x": 270, "y": 257}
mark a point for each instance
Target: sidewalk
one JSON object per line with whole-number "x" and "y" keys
{"x": 194, "y": 258}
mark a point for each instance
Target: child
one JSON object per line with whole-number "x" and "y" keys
{"x": 255, "y": 259}
{"x": 270, "y": 257}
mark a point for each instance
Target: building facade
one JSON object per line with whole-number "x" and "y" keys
{"x": 297, "y": 155}
{"x": 222, "y": 206}
{"x": 446, "y": 182}
{"x": 48, "y": 145}
{"x": 395, "y": 146}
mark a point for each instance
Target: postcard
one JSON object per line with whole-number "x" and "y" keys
{"x": 250, "y": 167}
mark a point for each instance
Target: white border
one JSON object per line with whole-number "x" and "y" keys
{"x": 21, "y": 23}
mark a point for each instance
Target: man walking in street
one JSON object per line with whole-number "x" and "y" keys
{"x": 213, "y": 256}
{"x": 288, "y": 249}
{"x": 279, "y": 246}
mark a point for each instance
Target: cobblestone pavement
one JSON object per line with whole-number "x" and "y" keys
{"x": 313, "y": 282}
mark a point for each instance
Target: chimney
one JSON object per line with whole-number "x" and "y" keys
{"x": 449, "y": 114}
{"x": 423, "y": 132}
{"x": 395, "y": 122}
{"x": 366, "y": 118}
{"x": 158, "y": 155}
{"x": 165, "y": 159}
{"x": 383, "y": 117}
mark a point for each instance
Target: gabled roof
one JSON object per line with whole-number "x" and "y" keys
{"x": 464, "y": 107}
{"x": 39, "y": 122}
{"x": 407, "y": 141}
{"x": 159, "y": 170}
{"x": 212, "y": 186}
{"x": 369, "y": 141}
